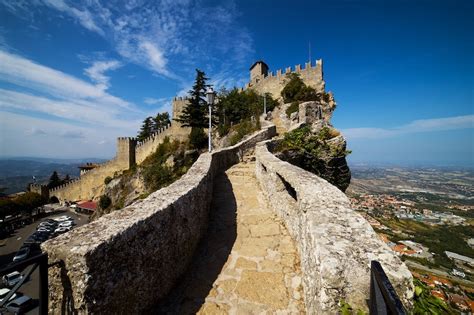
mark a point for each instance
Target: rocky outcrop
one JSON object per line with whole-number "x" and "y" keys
{"x": 127, "y": 260}
{"x": 336, "y": 245}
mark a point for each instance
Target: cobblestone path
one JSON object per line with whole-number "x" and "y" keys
{"x": 247, "y": 263}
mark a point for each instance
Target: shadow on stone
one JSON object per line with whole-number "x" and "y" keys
{"x": 189, "y": 294}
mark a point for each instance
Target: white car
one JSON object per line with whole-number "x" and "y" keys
{"x": 66, "y": 224}
{"x": 62, "y": 218}
{"x": 4, "y": 292}
{"x": 12, "y": 278}
{"x": 62, "y": 229}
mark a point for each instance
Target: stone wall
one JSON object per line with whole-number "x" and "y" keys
{"x": 127, "y": 260}
{"x": 179, "y": 132}
{"x": 336, "y": 244}
{"x": 149, "y": 146}
{"x": 274, "y": 82}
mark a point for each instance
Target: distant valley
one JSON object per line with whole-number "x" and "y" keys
{"x": 17, "y": 173}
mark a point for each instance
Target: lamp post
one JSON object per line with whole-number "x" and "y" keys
{"x": 265, "y": 104}
{"x": 210, "y": 101}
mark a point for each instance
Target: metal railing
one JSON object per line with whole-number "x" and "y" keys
{"x": 383, "y": 298}
{"x": 41, "y": 261}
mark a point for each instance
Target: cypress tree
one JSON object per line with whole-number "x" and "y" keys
{"x": 146, "y": 130}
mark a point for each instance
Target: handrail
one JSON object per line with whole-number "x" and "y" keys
{"x": 41, "y": 261}
{"x": 383, "y": 298}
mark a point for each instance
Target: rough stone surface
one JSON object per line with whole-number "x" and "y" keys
{"x": 246, "y": 263}
{"x": 127, "y": 260}
{"x": 336, "y": 245}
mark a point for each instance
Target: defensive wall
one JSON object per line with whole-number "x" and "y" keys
{"x": 274, "y": 82}
{"x": 90, "y": 184}
{"x": 336, "y": 244}
{"x": 127, "y": 260}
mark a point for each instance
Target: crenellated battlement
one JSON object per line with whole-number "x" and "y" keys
{"x": 153, "y": 136}
{"x": 274, "y": 81}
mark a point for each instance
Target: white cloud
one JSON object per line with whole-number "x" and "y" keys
{"x": 167, "y": 37}
{"x": 416, "y": 126}
{"x": 26, "y": 73}
{"x": 96, "y": 72}
{"x": 154, "y": 101}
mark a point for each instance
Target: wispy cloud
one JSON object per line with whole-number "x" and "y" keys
{"x": 416, "y": 126}
{"x": 96, "y": 72}
{"x": 167, "y": 37}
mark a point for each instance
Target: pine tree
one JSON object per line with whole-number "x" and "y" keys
{"x": 146, "y": 130}
{"x": 54, "y": 180}
{"x": 194, "y": 115}
{"x": 161, "y": 120}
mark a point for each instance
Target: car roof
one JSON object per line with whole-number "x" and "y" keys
{"x": 4, "y": 291}
{"x": 20, "y": 300}
{"x": 14, "y": 273}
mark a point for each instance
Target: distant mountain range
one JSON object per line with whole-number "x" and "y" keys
{"x": 17, "y": 172}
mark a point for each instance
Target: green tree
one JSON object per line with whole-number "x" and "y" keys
{"x": 29, "y": 201}
{"x": 161, "y": 120}
{"x": 8, "y": 207}
{"x": 54, "y": 180}
{"x": 146, "y": 130}
{"x": 66, "y": 179}
{"x": 104, "y": 202}
{"x": 296, "y": 90}
{"x": 194, "y": 115}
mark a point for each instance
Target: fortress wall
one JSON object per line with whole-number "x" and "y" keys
{"x": 336, "y": 244}
{"x": 91, "y": 184}
{"x": 179, "y": 133}
{"x": 149, "y": 146}
{"x": 274, "y": 82}
{"x": 127, "y": 260}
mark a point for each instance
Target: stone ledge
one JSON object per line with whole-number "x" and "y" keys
{"x": 336, "y": 244}
{"x": 127, "y": 260}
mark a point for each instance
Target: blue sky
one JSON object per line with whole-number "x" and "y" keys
{"x": 74, "y": 75}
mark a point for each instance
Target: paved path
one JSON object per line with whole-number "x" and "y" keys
{"x": 247, "y": 263}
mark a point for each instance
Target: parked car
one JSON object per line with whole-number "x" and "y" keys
{"x": 62, "y": 229}
{"x": 20, "y": 305}
{"x": 12, "y": 278}
{"x": 62, "y": 218}
{"x": 4, "y": 292}
{"x": 22, "y": 254}
{"x": 66, "y": 224}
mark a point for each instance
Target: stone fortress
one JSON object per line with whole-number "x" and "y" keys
{"x": 90, "y": 185}
{"x": 128, "y": 260}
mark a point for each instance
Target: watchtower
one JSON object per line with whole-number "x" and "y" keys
{"x": 126, "y": 151}
{"x": 258, "y": 71}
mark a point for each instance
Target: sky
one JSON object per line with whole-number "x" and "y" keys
{"x": 75, "y": 75}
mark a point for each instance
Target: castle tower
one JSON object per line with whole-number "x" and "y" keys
{"x": 258, "y": 71}
{"x": 126, "y": 151}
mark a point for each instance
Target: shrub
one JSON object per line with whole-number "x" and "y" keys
{"x": 294, "y": 107}
{"x": 107, "y": 180}
{"x": 244, "y": 128}
{"x": 197, "y": 138}
{"x": 104, "y": 202}
{"x": 296, "y": 90}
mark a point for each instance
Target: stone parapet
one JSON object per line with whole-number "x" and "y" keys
{"x": 336, "y": 244}
{"x": 127, "y": 260}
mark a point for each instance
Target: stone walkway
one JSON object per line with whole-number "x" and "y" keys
{"x": 247, "y": 263}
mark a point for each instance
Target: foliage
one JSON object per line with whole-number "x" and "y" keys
{"x": 107, "y": 180}
{"x": 346, "y": 309}
{"x": 296, "y": 90}
{"x": 152, "y": 125}
{"x": 23, "y": 203}
{"x": 104, "y": 202}
{"x": 236, "y": 106}
{"x": 197, "y": 138}
{"x": 425, "y": 303}
{"x": 161, "y": 120}
{"x": 54, "y": 180}
{"x": 157, "y": 174}
{"x": 293, "y": 108}
{"x": 244, "y": 128}
{"x": 194, "y": 115}
{"x": 146, "y": 130}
